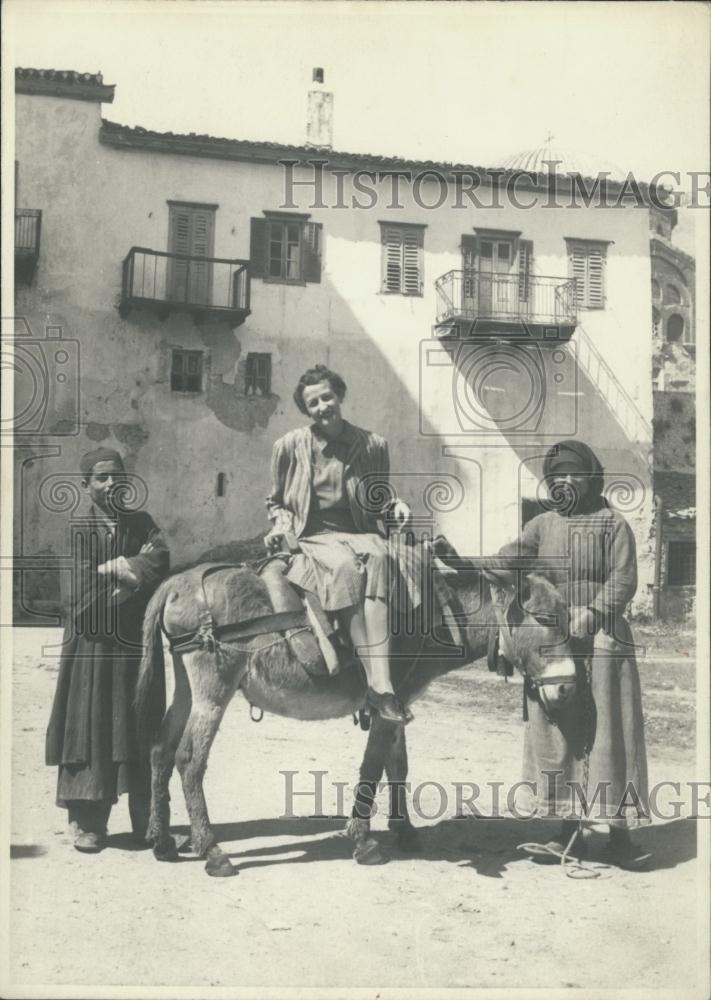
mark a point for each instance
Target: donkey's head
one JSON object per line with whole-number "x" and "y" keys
{"x": 533, "y": 634}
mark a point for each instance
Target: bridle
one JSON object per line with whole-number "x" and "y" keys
{"x": 502, "y": 597}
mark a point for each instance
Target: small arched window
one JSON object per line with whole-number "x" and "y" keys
{"x": 672, "y": 294}
{"x": 656, "y": 289}
{"x": 675, "y": 328}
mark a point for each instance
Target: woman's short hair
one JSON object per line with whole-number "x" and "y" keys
{"x": 319, "y": 373}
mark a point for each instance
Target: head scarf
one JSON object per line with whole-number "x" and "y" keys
{"x": 579, "y": 459}
{"x": 92, "y": 458}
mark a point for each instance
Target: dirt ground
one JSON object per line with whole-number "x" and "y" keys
{"x": 469, "y": 911}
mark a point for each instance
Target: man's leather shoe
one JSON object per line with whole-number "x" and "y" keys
{"x": 90, "y": 843}
{"x": 388, "y": 707}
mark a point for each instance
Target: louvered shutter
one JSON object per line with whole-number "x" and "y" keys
{"x": 596, "y": 278}
{"x": 391, "y": 238}
{"x": 179, "y": 242}
{"x": 412, "y": 262}
{"x": 587, "y": 266}
{"x": 311, "y": 251}
{"x": 579, "y": 271}
{"x": 257, "y": 247}
{"x": 191, "y": 232}
{"x": 525, "y": 265}
{"x": 201, "y": 246}
{"x": 402, "y": 259}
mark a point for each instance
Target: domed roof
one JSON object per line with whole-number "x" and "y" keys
{"x": 565, "y": 162}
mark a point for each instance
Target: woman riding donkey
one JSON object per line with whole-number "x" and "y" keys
{"x": 594, "y": 549}
{"x": 322, "y": 476}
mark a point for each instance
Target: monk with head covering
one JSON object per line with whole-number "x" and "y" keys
{"x": 594, "y": 548}
{"x": 120, "y": 558}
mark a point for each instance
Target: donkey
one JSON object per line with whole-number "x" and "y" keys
{"x": 269, "y": 670}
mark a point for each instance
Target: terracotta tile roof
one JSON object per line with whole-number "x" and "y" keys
{"x": 64, "y": 83}
{"x": 194, "y": 144}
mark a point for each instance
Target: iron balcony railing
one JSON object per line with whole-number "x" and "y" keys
{"x": 28, "y": 224}
{"x": 201, "y": 285}
{"x": 473, "y": 295}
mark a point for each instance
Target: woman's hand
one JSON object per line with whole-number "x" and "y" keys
{"x": 400, "y": 515}
{"x": 582, "y": 623}
{"x": 273, "y": 540}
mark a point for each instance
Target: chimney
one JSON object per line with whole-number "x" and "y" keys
{"x": 319, "y": 124}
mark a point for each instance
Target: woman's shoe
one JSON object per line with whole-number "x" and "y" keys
{"x": 388, "y": 707}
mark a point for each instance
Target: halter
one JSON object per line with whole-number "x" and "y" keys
{"x": 536, "y": 683}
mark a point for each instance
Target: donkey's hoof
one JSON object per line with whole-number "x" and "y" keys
{"x": 368, "y": 852}
{"x": 165, "y": 850}
{"x": 220, "y": 866}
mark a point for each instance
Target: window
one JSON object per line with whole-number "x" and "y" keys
{"x": 191, "y": 233}
{"x": 286, "y": 248}
{"x": 258, "y": 375}
{"x": 186, "y": 371}
{"x": 587, "y": 261}
{"x": 497, "y": 269}
{"x": 681, "y": 564}
{"x": 656, "y": 289}
{"x": 675, "y": 328}
{"x": 402, "y": 270}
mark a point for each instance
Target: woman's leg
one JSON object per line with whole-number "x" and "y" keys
{"x": 369, "y": 628}
{"x": 367, "y": 625}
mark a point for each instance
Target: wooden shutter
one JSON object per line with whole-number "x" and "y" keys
{"x": 579, "y": 271}
{"x": 191, "y": 232}
{"x": 391, "y": 239}
{"x": 311, "y": 251}
{"x": 257, "y": 247}
{"x": 587, "y": 266}
{"x": 525, "y": 265}
{"x": 201, "y": 245}
{"x": 596, "y": 277}
{"x": 412, "y": 262}
{"x": 402, "y": 259}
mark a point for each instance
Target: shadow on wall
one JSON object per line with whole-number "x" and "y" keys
{"x": 489, "y": 392}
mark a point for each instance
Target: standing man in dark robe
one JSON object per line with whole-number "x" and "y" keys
{"x": 119, "y": 560}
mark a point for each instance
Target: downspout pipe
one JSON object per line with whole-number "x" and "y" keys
{"x": 658, "y": 541}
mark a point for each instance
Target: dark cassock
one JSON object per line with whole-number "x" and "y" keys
{"x": 92, "y": 737}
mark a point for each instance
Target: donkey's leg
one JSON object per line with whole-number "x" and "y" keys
{"x": 366, "y": 850}
{"x": 211, "y": 696}
{"x": 162, "y": 761}
{"x": 408, "y": 838}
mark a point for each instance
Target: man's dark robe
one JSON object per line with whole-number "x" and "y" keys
{"x": 92, "y": 728}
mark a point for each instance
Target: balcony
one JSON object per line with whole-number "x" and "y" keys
{"x": 209, "y": 288}
{"x": 28, "y": 224}
{"x": 470, "y": 303}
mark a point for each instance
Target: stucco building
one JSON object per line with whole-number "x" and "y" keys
{"x": 171, "y": 288}
{"x": 674, "y": 381}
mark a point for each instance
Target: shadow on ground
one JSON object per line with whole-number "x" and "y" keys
{"x": 486, "y": 846}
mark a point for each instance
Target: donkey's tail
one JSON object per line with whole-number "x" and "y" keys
{"x": 150, "y": 687}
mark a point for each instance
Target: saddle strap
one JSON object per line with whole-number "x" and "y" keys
{"x": 277, "y": 621}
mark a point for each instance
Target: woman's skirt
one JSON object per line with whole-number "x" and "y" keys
{"x": 343, "y": 568}
{"x": 606, "y": 720}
